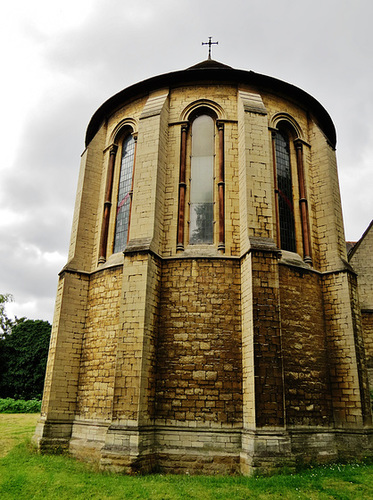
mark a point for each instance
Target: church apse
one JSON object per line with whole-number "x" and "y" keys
{"x": 206, "y": 320}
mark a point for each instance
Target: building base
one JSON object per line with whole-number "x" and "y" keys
{"x": 179, "y": 449}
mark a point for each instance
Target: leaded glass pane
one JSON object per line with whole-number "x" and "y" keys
{"x": 285, "y": 192}
{"x": 124, "y": 198}
{"x": 203, "y": 136}
{"x": 202, "y": 182}
{"x": 201, "y": 188}
{"x": 201, "y": 228}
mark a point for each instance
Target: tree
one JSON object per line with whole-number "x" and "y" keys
{"x": 5, "y": 322}
{"x": 23, "y": 358}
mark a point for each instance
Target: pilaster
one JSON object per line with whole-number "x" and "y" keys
{"x": 62, "y": 373}
{"x": 129, "y": 439}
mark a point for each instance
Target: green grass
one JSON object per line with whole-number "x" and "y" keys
{"x": 24, "y": 474}
{"x": 14, "y": 429}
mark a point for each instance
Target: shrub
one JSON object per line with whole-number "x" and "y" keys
{"x": 10, "y": 405}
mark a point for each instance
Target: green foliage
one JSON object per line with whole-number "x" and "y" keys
{"x": 5, "y": 322}
{"x": 23, "y": 358}
{"x": 10, "y": 405}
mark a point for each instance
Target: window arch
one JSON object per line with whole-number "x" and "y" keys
{"x": 287, "y": 146}
{"x": 125, "y": 188}
{"x": 198, "y": 138}
{"x": 201, "y": 201}
{"x": 124, "y": 140}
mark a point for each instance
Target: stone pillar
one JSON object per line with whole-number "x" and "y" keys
{"x": 84, "y": 244}
{"x": 130, "y": 437}
{"x": 53, "y": 431}
{"x": 62, "y": 374}
{"x": 264, "y": 441}
{"x": 348, "y": 376}
{"x": 256, "y": 179}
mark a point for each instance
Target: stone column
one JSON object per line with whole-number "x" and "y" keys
{"x": 264, "y": 439}
{"x": 53, "y": 431}
{"x": 130, "y": 437}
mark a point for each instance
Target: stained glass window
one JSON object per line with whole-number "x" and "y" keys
{"x": 202, "y": 174}
{"x": 124, "y": 197}
{"x": 285, "y": 192}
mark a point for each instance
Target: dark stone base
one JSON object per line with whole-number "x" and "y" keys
{"x": 182, "y": 450}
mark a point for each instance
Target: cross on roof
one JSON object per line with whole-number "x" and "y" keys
{"x": 209, "y": 43}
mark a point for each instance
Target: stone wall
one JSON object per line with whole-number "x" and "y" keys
{"x": 97, "y": 364}
{"x": 306, "y": 374}
{"x": 199, "y": 343}
{"x": 266, "y": 343}
{"x": 367, "y": 321}
{"x": 204, "y": 361}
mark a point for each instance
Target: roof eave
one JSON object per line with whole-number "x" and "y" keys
{"x": 212, "y": 75}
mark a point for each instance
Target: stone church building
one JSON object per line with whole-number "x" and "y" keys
{"x": 208, "y": 319}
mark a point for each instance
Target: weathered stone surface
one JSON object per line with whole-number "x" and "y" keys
{"x": 237, "y": 356}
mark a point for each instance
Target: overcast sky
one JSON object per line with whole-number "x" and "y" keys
{"x": 62, "y": 60}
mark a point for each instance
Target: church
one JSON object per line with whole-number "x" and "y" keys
{"x": 208, "y": 319}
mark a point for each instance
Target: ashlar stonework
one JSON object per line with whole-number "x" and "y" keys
{"x": 227, "y": 335}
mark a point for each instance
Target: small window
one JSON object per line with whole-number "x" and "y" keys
{"x": 124, "y": 194}
{"x": 285, "y": 192}
{"x": 202, "y": 181}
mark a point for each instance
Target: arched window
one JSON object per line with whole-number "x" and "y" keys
{"x": 202, "y": 181}
{"x": 124, "y": 194}
{"x": 284, "y": 191}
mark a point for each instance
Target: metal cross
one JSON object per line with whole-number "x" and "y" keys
{"x": 209, "y": 43}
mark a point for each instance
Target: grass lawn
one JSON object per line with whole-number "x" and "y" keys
{"x": 24, "y": 474}
{"x": 15, "y": 428}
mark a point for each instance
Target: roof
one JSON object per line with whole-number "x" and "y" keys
{"x": 352, "y": 250}
{"x": 350, "y": 245}
{"x": 210, "y": 72}
{"x": 208, "y": 64}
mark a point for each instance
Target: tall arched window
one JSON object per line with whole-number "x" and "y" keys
{"x": 124, "y": 194}
{"x": 284, "y": 191}
{"x": 202, "y": 181}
